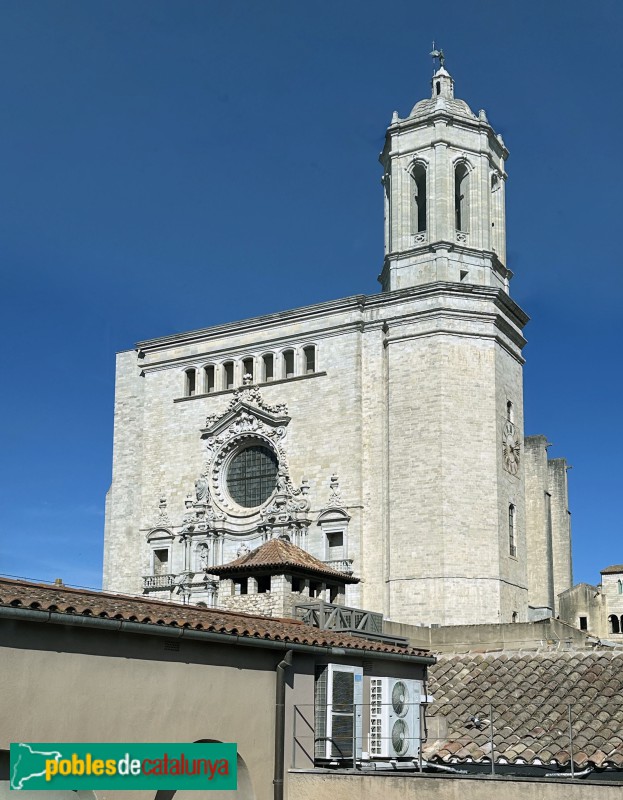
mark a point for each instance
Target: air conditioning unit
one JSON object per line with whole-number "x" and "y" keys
{"x": 395, "y": 717}
{"x": 338, "y": 712}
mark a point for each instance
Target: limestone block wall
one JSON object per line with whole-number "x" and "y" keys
{"x": 122, "y": 544}
{"x": 584, "y": 600}
{"x": 561, "y": 525}
{"x": 406, "y": 405}
{"x": 612, "y": 588}
{"x": 538, "y": 525}
{"x": 446, "y": 532}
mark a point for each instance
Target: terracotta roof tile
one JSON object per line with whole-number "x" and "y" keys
{"x": 531, "y": 706}
{"x": 158, "y": 612}
{"x": 279, "y": 553}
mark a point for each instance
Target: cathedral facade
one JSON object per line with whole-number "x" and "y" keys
{"x": 382, "y": 434}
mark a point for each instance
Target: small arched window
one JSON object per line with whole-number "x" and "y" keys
{"x": 288, "y": 364}
{"x": 418, "y": 199}
{"x": 512, "y": 543}
{"x": 613, "y": 624}
{"x": 461, "y": 197}
{"x": 248, "y": 368}
{"x": 620, "y": 586}
{"x": 309, "y": 353}
{"x": 228, "y": 368}
{"x": 190, "y": 380}
{"x": 268, "y": 367}
{"x": 209, "y": 381}
{"x": 509, "y": 411}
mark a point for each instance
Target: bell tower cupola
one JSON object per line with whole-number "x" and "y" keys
{"x": 444, "y": 180}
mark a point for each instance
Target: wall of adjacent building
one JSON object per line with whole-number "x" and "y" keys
{"x": 324, "y": 786}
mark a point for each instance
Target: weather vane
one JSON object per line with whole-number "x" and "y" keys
{"x": 438, "y": 54}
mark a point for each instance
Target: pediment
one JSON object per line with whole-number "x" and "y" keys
{"x": 246, "y": 416}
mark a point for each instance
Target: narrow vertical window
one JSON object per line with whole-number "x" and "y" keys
{"x": 620, "y": 587}
{"x": 288, "y": 364}
{"x": 418, "y": 199}
{"x": 247, "y": 368}
{"x": 509, "y": 411}
{"x": 191, "y": 383}
{"x": 461, "y": 197}
{"x": 583, "y": 623}
{"x": 268, "y": 362}
{"x": 209, "y": 380}
{"x": 310, "y": 358}
{"x": 229, "y": 374}
{"x": 512, "y": 544}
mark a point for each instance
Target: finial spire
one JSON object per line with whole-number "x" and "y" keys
{"x": 437, "y": 54}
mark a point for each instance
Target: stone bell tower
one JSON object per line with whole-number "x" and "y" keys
{"x": 454, "y": 545}
{"x": 444, "y": 184}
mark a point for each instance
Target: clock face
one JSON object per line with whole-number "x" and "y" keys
{"x": 510, "y": 448}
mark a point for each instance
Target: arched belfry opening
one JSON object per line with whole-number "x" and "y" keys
{"x": 418, "y": 198}
{"x": 461, "y": 197}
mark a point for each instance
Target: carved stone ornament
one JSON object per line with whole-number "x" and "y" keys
{"x": 248, "y": 421}
{"x": 162, "y": 520}
{"x": 335, "y": 496}
{"x": 511, "y": 448}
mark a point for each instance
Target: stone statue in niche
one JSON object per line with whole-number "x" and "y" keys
{"x": 201, "y": 489}
{"x": 203, "y": 552}
{"x": 243, "y": 550}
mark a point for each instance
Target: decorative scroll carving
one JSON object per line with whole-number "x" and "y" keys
{"x": 250, "y": 395}
{"x": 335, "y": 496}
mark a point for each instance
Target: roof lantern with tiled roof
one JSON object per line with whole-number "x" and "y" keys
{"x": 277, "y": 556}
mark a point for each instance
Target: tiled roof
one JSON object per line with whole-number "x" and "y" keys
{"x": 613, "y": 570}
{"x": 86, "y": 603}
{"x": 277, "y": 554}
{"x": 530, "y": 694}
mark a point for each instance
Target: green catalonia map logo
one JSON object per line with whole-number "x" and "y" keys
{"x": 123, "y": 766}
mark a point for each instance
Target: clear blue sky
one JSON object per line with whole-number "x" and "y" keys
{"x": 170, "y": 165}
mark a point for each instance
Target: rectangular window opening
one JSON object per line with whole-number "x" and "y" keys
{"x": 229, "y": 374}
{"x": 583, "y": 623}
{"x": 268, "y": 367}
{"x": 310, "y": 359}
{"x": 288, "y": 363}
{"x": 263, "y": 584}
{"x": 161, "y": 562}
{"x": 247, "y": 368}
{"x": 209, "y": 379}
{"x": 191, "y": 383}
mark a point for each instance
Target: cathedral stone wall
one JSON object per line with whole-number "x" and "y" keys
{"x": 406, "y": 415}
{"x": 561, "y": 525}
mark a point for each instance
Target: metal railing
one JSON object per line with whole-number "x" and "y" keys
{"x": 560, "y": 739}
{"x": 329, "y": 616}
{"x": 349, "y": 733}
